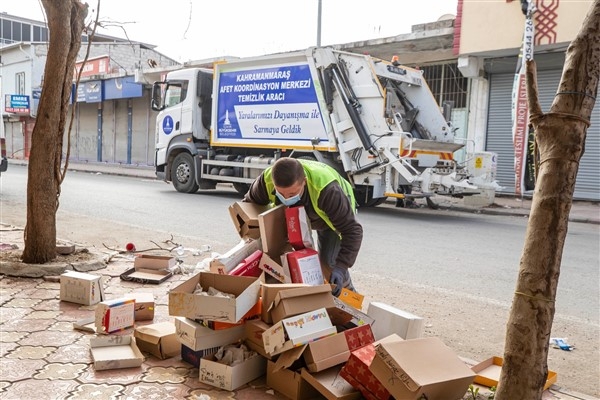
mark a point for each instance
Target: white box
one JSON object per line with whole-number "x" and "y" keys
{"x": 113, "y": 352}
{"x": 81, "y": 288}
{"x": 389, "y": 320}
{"x": 115, "y": 315}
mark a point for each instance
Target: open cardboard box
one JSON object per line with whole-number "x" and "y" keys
{"x": 273, "y": 231}
{"x": 198, "y": 337}
{"x": 290, "y": 383}
{"x": 488, "y": 373}
{"x": 231, "y": 377}
{"x": 331, "y": 385}
{"x": 245, "y": 218}
{"x": 160, "y": 340}
{"x": 225, "y": 263}
{"x": 115, "y": 351}
{"x": 274, "y": 269}
{"x": 294, "y": 301}
{"x": 268, "y": 293}
{"x": 184, "y": 303}
{"x": 401, "y": 368}
{"x": 149, "y": 269}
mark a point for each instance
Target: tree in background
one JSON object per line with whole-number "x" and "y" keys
{"x": 66, "y": 21}
{"x": 560, "y": 140}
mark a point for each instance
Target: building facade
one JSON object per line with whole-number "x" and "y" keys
{"x": 112, "y": 120}
{"x": 468, "y": 59}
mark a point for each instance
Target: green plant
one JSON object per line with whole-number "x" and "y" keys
{"x": 493, "y": 394}
{"x": 473, "y": 392}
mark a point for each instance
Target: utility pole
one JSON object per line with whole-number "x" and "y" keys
{"x": 319, "y": 23}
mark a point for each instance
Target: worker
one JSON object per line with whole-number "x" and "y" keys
{"x": 330, "y": 206}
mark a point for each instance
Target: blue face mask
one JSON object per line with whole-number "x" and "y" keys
{"x": 288, "y": 202}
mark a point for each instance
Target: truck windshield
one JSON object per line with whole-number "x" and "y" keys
{"x": 176, "y": 92}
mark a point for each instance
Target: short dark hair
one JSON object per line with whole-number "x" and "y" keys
{"x": 287, "y": 171}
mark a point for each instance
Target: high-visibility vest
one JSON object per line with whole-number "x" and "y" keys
{"x": 318, "y": 175}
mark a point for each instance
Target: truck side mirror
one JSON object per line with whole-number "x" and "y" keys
{"x": 156, "y": 102}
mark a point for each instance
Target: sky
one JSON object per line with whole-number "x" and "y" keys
{"x": 198, "y": 29}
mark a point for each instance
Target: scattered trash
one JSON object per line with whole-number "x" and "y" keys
{"x": 7, "y": 246}
{"x": 130, "y": 247}
{"x": 561, "y": 343}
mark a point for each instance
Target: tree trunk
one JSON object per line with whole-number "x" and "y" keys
{"x": 65, "y": 24}
{"x": 560, "y": 138}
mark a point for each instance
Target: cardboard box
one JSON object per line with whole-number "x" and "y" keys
{"x": 249, "y": 265}
{"x": 114, "y": 351}
{"x": 224, "y": 263}
{"x": 390, "y": 320}
{"x": 245, "y": 218}
{"x": 351, "y": 298}
{"x": 86, "y": 325}
{"x": 144, "y": 305}
{"x": 198, "y": 337}
{"x": 334, "y": 350}
{"x": 231, "y": 377}
{"x": 183, "y": 302}
{"x": 159, "y": 340}
{"x": 331, "y": 385}
{"x": 273, "y": 231}
{"x": 81, "y": 288}
{"x": 193, "y": 357}
{"x": 290, "y": 383}
{"x": 356, "y": 371}
{"x": 268, "y": 293}
{"x": 358, "y": 317}
{"x": 274, "y": 269}
{"x": 115, "y": 315}
{"x": 297, "y": 330}
{"x": 154, "y": 263}
{"x": 400, "y": 367}
{"x": 143, "y": 275}
{"x": 488, "y": 373}
{"x": 305, "y": 267}
{"x": 254, "y": 312}
{"x": 299, "y": 231}
{"x": 294, "y": 301}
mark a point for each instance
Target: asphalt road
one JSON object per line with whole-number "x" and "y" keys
{"x": 472, "y": 254}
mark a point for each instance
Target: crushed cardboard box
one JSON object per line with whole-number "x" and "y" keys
{"x": 225, "y": 263}
{"x": 488, "y": 373}
{"x": 245, "y": 218}
{"x": 198, "y": 337}
{"x": 293, "y": 301}
{"x": 331, "y": 385}
{"x": 149, "y": 268}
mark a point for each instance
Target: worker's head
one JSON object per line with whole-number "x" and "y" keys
{"x": 289, "y": 180}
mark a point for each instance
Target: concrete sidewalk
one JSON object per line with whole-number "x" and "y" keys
{"x": 581, "y": 211}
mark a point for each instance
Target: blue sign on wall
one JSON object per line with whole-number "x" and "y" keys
{"x": 122, "y": 88}
{"x": 16, "y": 103}
{"x": 90, "y": 92}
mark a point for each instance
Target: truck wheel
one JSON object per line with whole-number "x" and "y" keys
{"x": 364, "y": 197}
{"x": 183, "y": 174}
{"x": 241, "y": 188}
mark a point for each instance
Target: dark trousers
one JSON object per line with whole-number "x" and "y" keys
{"x": 329, "y": 244}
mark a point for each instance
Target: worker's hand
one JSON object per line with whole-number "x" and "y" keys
{"x": 339, "y": 277}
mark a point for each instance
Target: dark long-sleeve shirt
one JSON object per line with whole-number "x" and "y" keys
{"x": 336, "y": 205}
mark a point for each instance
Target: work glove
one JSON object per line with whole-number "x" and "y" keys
{"x": 339, "y": 277}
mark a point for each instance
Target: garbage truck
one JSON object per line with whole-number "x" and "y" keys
{"x": 374, "y": 121}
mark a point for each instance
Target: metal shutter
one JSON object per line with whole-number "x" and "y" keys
{"x": 499, "y": 134}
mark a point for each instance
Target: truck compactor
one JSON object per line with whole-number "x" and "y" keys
{"x": 374, "y": 121}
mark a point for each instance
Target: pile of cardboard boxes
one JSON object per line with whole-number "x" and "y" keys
{"x": 264, "y": 307}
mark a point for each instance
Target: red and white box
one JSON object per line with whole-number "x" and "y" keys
{"x": 249, "y": 265}
{"x": 298, "y": 228}
{"x": 305, "y": 267}
{"x": 115, "y": 315}
{"x": 356, "y": 372}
